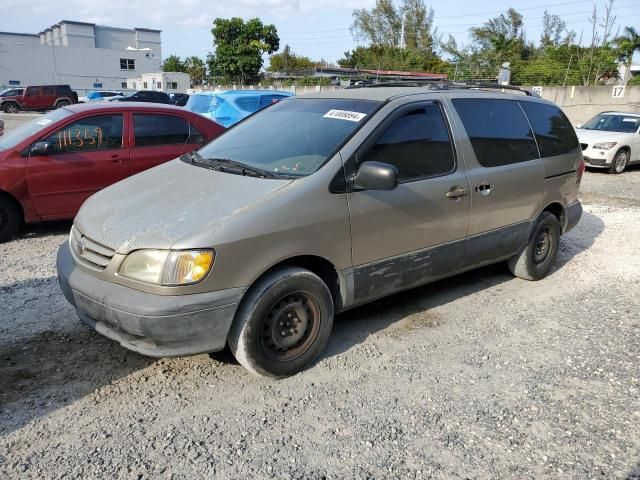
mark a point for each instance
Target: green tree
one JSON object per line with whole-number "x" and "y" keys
{"x": 382, "y": 25}
{"x": 173, "y": 64}
{"x": 287, "y": 61}
{"x": 239, "y": 47}
{"x": 626, "y": 45}
{"x": 392, "y": 58}
{"x": 196, "y": 69}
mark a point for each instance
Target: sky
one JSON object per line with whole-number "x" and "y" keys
{"x": 314, "y": 28}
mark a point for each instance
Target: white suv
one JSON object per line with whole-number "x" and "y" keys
{"x": 611, "y": 140}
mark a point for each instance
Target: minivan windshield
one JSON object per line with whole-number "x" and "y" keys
{"x": 613, "y": 123}
{"x": 292, "y": 138}
{"x": 13, "y": 137}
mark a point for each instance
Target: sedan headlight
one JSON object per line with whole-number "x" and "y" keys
{"x": 604, "y": 145}
{"x": 166, "y": 267}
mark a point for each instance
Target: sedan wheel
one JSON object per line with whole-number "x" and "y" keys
{"x": 620, "y": 162}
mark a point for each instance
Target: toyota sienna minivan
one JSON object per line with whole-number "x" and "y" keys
{"x": 315, "y": 205}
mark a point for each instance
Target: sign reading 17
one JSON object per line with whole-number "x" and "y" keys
{"x": 79, "y": 137}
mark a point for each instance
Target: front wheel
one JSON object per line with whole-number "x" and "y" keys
{"x": 10, "y": 107}
{"x": 620, "y": 162}
{"x": 538, "y": 257}
{"x": 283, "y": 323}
{"x": 10, "y": 219}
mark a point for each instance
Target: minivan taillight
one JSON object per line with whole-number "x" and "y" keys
{"x": 581, "y": 169}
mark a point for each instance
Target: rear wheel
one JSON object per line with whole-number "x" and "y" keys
{"x": 62, "y": 103}
{"x": 10, "y": 219}
{"x": 283, "y": 323}
{"x": 620, "y": 162}
{"x": 10, "y": 107}
{"x": 538, "y": 257}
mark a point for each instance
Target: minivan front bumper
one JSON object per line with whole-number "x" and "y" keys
{"x": 153, "y": 325}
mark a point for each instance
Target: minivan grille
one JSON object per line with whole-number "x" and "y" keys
{"x": 90, "y": 252}
{"x": 584, "y": 146}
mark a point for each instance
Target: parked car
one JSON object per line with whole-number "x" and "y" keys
{"x": 315, "y": 205}
{"x": 99, "y": 96}
{"x": 49, "y": 166}
{"x": 42, "y": 97}
{"x": 228, "y": 108}
{"x": 611, "y": 140}
{"x": 179, "y": 99}
{"x": 144, "y": 96}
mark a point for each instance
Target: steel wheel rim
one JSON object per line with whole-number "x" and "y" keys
{"x": 290, "y": 326}
{"x": 621, "y": 162}
{"x": 543, "y": 245}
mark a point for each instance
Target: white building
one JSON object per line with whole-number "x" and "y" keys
{"x": 170, "y": 82}
{"x": 84, "y": 55}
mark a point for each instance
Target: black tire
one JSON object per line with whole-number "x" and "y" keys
{"x": 10, "y": 219}
{"x": 535, "y": 261}
{"x": 620, "y": 161}
{"x": 283, "y": 323}
{"x": 10, "y": 107}
{"x": 62, "y": 103}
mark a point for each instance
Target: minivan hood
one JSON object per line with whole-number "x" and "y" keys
{"x": 156, "y": 208}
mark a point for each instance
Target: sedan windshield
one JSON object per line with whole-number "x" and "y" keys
{"x": 13, "y": 137}
{"x": 613, "y": 123}
{"x": 292, "y": 138}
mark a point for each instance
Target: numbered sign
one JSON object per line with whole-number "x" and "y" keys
{"x": 618, "y": 91}
{"x": 537, "y": 91}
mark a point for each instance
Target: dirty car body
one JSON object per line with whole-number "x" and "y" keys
{"x": 363, "y": 193}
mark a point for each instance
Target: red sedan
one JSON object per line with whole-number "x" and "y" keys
{"x": 51, "y": 165}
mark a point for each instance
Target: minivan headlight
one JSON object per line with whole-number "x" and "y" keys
{"x": 604, "y": 145}
{"x": 166, "y": 267}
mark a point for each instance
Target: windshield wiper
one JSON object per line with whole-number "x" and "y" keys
{"x": 231, "y": 166}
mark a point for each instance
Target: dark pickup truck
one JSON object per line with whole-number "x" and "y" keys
{"x": 39, "y": 97}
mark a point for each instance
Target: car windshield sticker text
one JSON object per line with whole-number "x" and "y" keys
{"x": 44, "y": 121}
{"x": 78, "y": 137}
{"x": 345, "y": 115}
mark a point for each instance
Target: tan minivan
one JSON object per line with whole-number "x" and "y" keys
{"x": 315, "y": 205}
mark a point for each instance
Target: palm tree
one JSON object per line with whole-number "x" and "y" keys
{"x": 195, "y": 67}
{"x": 626, "y": 45}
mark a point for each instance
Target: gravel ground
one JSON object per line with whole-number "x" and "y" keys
{"x": 478, "y": 376}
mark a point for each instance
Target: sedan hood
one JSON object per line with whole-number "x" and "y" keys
{"x": 156, "y": 208}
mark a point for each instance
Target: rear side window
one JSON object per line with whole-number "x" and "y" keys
{"x": 554, "y": 133}
{"x": 63, "y": 90}
{"x": 47, "y": 91}
{"x": 418, "y": 144}
{"x": 498, "y": 130}
{"x": 158, "y": 129}
{"x": 100, "y": 132}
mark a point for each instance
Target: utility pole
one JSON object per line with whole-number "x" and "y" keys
{"x": 404, "y": 21}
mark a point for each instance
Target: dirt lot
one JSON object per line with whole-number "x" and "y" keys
{"x": 478, "y": 376}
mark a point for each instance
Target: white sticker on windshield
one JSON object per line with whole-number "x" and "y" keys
{"x": 345, "y": 115}
{"x": 45, "y": 121}
{"x": 630, "y": 119}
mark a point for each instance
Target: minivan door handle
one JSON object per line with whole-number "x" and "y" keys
{"x": 456, "y": 192}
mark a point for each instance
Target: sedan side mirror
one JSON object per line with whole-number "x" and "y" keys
{"x": 43, "y": 148}
{"x": 375, "y": 176}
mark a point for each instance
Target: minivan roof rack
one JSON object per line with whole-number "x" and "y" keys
{"x": 440, "y": 84}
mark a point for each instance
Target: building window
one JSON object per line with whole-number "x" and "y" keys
{"x": 144, "y": 85}
{"x": 97, "y": 85}
{"x": 123, "y": 85}
{"x": 14, "y": 82}
{"x": 159, "y": 85}
{"x": 127, "y": 64}
{"x": 173, "y": 85}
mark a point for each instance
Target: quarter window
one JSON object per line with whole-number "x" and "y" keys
{"x": 418, "y": 144}
{"x": 160, "y": 130}
{"x": 498, "y": 130}
{"x": 554, "y": 133}
{"x": 47, "y": 91}
{"x": 101, "y": 132}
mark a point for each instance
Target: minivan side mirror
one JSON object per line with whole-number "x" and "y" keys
{"x": 43, "y": 148}
{"x": 375, "y": 176}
